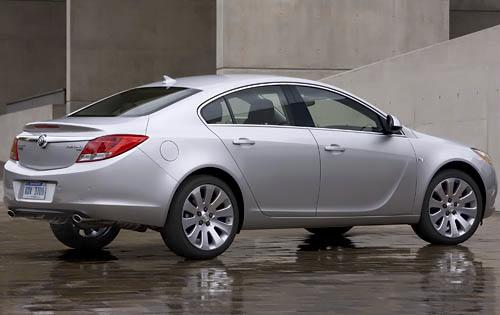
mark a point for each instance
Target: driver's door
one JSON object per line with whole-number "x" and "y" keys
{"x": 363, "y": 170}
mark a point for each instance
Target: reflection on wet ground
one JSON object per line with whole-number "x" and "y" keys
{"x": 375, "y": 270}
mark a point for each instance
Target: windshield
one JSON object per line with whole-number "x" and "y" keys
{"x": 135, "y": 102}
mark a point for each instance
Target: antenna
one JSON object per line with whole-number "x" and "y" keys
{"x": 168, "y": 81}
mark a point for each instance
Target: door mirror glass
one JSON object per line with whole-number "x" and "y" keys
{"x": 393, "y": 124}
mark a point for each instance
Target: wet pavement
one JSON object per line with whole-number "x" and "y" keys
{"x": 374, "y": 270}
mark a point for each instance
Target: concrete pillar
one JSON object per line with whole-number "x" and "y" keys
{"x": 318, "y": 38}
{"x": 32, "y": 48}
{"x": 468, "y": 16}
{"x": 116, "y": 44}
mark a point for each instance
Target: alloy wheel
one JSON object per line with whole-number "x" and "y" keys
{"x": 207, "y": 217}
{"x": 453, "y": 207}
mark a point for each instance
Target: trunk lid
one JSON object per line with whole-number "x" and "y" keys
{"x": 57, "y": 143}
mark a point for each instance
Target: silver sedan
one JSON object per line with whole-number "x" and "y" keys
{"x": 200, "y": 158}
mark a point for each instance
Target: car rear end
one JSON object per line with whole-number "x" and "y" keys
{"x": 91, "y": 163}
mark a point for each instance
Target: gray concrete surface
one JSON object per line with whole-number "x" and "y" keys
{"x": 50, "y": 97}
{"x": 374, "y": 270}
{"x": 32, "y": 48}
{"x": 116, "y": 44}
{"x": 451, "y": 89}
{"x": 319, "y": 38}
{"x": 467, "y": 16}
{"x": 12, "y": 124}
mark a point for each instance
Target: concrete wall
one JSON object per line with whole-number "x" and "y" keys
{"x": 468, "y": 16}
{"x": 318, "y": 38}
{"x": 117, "y": 44}
{"x": 12, "y": 124}
{"x": 32, "y": 48}
{"x": 52, "y": 97}
{"x": 450, "y": 89}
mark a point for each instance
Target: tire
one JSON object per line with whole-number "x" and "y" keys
{"x": 85, "y": 240}
{"x": 190, "y": 221}
{"x": 330, "y": 232}
{"x": 454, "y": 213}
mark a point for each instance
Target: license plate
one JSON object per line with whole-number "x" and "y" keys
{"x": 34, "y": 190}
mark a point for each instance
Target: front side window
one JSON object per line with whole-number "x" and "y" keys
{"x": 136, "y": 102}
{"x": 264, "y": 105}
{"x": 332, "y": 110}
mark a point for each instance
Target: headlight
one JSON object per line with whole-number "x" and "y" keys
{"x": 483, "y": 155}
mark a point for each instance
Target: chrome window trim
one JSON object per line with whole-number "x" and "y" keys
{"x": 54, "y": 139}
{"x": 308, "y": 128}
{"x": 343, "y": 93}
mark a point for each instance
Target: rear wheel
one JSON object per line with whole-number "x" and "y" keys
{"x": 452, "y": 209}
{"x": 331, "y": 231}
{"x": 84, "y": 239}
{"x": 203, "y": 218}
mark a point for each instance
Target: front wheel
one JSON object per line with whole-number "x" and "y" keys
{"x": 330, "y": 232}
{"x": 203, "y": 218}
{"x": 88, "y": 239}
{"x": 452, "y": 209}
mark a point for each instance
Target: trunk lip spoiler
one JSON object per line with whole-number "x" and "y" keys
{"x": 32, "y": 127}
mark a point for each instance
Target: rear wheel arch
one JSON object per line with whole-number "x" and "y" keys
{"x": 228, "y": 179}
{"x": 469, "y": 170}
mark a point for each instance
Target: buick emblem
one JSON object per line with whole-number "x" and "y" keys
{"x": 42, "y": 141}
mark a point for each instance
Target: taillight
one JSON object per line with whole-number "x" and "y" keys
{"x": 109, "y": 146}
{"x": 14, "y": 153}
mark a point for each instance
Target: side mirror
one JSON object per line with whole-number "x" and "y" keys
{"x": 393, "y": 125}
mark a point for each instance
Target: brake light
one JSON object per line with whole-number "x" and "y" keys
{"x": 46, "y": 126}
{"x": 109, "y": 146}
{"x": 14, "y": 153}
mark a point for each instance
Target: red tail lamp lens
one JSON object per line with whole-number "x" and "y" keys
{"x": 109, "y": 146}
{"x": 14, "y": 153}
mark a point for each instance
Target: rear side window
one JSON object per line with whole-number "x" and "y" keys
{"x": 217, "y": 113}
{"x": 266, "y": 105}
{"x": 136, "y": 102}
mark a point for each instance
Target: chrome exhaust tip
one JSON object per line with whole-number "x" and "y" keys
{"x": 11, "y": 213}
{"x": 77, "y": 218}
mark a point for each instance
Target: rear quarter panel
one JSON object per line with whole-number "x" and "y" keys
{"x": 180, "y": 129}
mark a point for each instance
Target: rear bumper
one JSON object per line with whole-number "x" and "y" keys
{"x": 128, "y": 188}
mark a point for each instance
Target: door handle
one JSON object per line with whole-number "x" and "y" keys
{"x": 334, "y": 148}
{"x": 241, "y": 141}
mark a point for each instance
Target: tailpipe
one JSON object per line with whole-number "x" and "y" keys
{"x": 83, "y": 222}
{"x": 11, "y": 213}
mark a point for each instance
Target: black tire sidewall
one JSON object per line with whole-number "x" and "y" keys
{"x": 173, "y": 233}
{"x": 68, "y": 235}
{"x": 425, "y": 228}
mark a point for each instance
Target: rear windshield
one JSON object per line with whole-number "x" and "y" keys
{"x": 136, "y": 102}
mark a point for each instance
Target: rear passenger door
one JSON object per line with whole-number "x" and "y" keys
{"x": 279, "y": 161}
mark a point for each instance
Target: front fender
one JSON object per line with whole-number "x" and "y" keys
{"x": 434, "y": 154}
